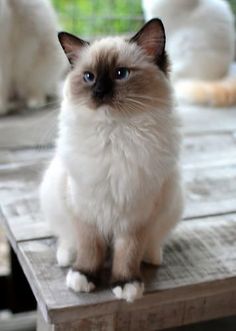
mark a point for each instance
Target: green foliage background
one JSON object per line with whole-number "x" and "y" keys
{"x": 88, "y": 18}
{"x": 99, "y": 17}
{"x": 233, "y": 5}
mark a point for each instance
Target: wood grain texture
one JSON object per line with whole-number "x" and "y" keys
{"x": 210, "y": 188}
{"x": 42, "y": 325}
{"x": 158, "y": 317}
{"x": 179, "y": 313}
{"x": 200, "y": 120}
{"x": 103, "y": 323}
{"x": 208, "y": 148}
{"x": 20, "y": 180}
{"x": 199, "y": 260}
{"x": 29, "y": 129}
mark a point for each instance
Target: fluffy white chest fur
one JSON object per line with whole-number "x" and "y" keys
{"x": 116, "y": 165}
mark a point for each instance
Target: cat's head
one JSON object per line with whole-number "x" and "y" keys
{"x": 117, "y": 73}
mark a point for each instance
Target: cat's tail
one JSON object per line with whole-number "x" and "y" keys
{"x": 220, "y": 93}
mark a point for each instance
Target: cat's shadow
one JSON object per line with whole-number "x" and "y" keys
{"x": 148, "y": 273}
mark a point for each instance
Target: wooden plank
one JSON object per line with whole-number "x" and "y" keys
{"x": 160, "y": 316}
{"x": 200, "y": 120}
{"x": 42, "y": 325}
{"x": 199, "y": 261}
{"x": 28, "y": 227}
{"x": 210, "y": 189}
{"x": 20, "y": 176}
{"x": 29, "y": 128}
{"x": 4, "y": 256}
{"x": 209, "y": 148}
{"x": 98, "y": 323}
{"x": 20, "y": 180}
{"x": 180, "y": 313}
{"x": 14, "y": 159}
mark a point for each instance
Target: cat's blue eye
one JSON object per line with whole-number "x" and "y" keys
{"x": 122, "y": 73}
{"x": 89, "y": 77}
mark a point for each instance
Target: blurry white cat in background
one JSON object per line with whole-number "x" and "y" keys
{"x": 31, "y": 59}
{"x": 201, "y": 45}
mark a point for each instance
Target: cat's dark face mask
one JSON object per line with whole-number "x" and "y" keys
{"x": 111, "y": 80}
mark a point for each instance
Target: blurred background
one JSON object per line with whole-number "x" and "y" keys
{"x": 99, "y": 17}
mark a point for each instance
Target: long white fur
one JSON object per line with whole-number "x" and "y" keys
{"x": 31, "y": 59}
{"x": 200, "y": 36}
{"x": 109, "y": 169}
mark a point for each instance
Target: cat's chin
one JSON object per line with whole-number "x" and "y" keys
{"x": 106, "y": 109}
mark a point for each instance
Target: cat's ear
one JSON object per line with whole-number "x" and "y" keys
{"x": 151, "y": 38}
{"x": 71, "y": 45}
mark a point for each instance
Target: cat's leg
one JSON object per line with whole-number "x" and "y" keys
{"x": 153, "y": 253}
{"x": 167, "y": 213}
{"x": 91, "y": 250}
{"x": 66, "y": 252}
{"x": 53, "y": 206}
{"x": 126, "y": 276}
{"x": 162, "y": 223}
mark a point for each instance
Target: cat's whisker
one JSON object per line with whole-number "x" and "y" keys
{"x": 129, "y": 109}
{"x": 145, "y": 97}
{"x": 144, "y": 105}
{"x": 138, "y": 96}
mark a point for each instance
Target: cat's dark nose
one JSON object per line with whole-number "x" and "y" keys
{"x": 103, "y": 90}
{"x": 99, "y": 93}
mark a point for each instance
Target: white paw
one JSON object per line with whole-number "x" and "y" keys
{"x": 78, "y": 282}
{"x": 65, "y": 256}
{"x": 130, "y": 291}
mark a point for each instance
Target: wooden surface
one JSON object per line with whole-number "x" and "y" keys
{"x": 198, "y": 278}
{"x": 192, "y": 256}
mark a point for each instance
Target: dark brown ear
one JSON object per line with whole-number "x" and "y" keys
{"x": 71, "y": 45}
{"x": 151, "y": 38}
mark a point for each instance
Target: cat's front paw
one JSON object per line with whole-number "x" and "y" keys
{"x": 130, "y": 291}
{"x": 79, "y": 282}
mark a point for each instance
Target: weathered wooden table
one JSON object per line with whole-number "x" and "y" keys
{"x": 198, "y": 278}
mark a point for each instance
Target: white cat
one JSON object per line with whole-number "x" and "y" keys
{"x": 201, "y": 45}
{"x": 114, "y": 180}
{"x": 31, "y": 60}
